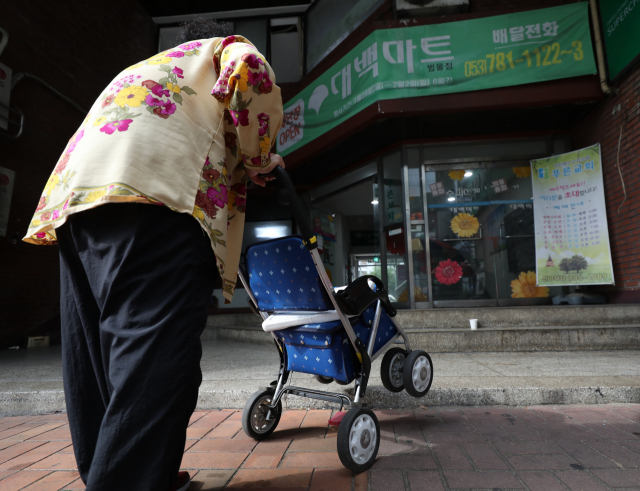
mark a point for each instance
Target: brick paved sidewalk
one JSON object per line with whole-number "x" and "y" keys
{"x": 580, "y": 448}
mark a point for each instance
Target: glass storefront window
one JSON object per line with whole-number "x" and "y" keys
{"x": 438, "y": 233}
{"x": 393, "y": 230}
{"x": 481, "y": 231}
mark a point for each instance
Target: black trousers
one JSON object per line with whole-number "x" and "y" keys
{"x": 136, "y": 281}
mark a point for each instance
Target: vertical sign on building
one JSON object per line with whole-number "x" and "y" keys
{"x": 572, "y": 236}
{"x": 621, "y": 26}
{"x": 6, "y": 189}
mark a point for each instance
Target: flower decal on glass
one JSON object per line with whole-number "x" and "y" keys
{"x": 522, "y": 171}
{"x": 464, "y": 225}
{"x": 525, "y": 287}
{"x": 457, "y": 175}
{"x": 448, "y": 272}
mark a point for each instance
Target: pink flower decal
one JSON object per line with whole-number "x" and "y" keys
{"x": 152, "y": 101}
{"x": 219, "y": 198}
{"x": 263, "y": 121}
{"x": 158, "y": 112}
{"x": 175, "y": 54}
{"x": 240, "y": 117}
{"x": 160, "y": 91}
{"x": 178, "y": 72}
{"x": 112, "y": 126}
{"x": 190, "y": 46}
{"x": 149, "y": 84}
{"x": 42, "y": 203}
{"x": 266, "y": 86}
{"x": 241, "y": 191}
{"x": 76, "y": 139}
{"x": 108, "y": 100}
{"x": 252, "y": 60}
{"x": 62, "y": 164}
{"x": 227, "y": 41}
{"x": 168, "y": 108}
{"x": 255, "y": 77}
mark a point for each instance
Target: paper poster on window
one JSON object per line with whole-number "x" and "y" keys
{"x": 571, "y": 232}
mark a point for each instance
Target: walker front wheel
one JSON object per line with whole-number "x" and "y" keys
{"x": 358, "y": 439}
{"x": 258, "y": 420}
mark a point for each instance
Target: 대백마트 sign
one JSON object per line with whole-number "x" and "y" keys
{"x": 571, "y": 233}
{"x": 477, "y": 54}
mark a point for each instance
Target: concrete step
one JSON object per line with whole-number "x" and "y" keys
{"x": 499, "y": 339}
{"x": 540, "y": 328}
{"x": 533, "y": 316}
{"x": 31, "y": 380}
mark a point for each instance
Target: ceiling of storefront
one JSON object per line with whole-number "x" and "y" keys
{"x": 354, "y": 201}
{"x": 160, "y": 8}
{"x": 385, "y": 133}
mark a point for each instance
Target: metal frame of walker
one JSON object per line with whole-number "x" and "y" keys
{"x": 364, "y": 353}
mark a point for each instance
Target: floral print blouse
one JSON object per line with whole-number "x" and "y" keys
{"x": 177, "y": 130}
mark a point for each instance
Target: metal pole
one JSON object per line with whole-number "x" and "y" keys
{"x": 407, "y": 229}
{"x": 427, "y": 241}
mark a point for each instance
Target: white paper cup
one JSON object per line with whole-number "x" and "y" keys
{"x": 474, "y": 324}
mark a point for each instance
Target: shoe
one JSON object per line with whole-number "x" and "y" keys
{"x": 183, "y": 481}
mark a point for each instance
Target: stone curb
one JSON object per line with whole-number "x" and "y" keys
{"x": 37, "y": 402}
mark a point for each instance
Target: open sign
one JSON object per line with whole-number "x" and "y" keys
{"x": 292, "y": 130}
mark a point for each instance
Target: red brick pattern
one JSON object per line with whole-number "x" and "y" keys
{"x": 619, "y": 111}
{"x": 564, "y": 448}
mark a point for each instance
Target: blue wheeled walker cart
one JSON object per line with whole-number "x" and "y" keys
{"x": 333, "y": 334}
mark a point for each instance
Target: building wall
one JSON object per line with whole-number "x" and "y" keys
{"x": 77, "y": 47}
{"x": 620, "y": 111}
{"x": 505, "y": 5}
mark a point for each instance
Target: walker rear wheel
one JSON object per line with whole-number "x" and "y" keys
{"x": 417, "y": 373}
{"x": 258, "y": 421}
{"x": 391, "y": 369}
{"x": 358, "y": 439}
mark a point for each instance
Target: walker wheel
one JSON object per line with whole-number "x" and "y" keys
{"x": 258, "y": 421}
{"x": 358, "y": 439}
{"x": 417, "y": 373}
{"x": 322, "y": 379}
{"x": 391, "y": 369}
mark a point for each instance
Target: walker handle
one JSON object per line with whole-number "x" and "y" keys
{"x": 287, "y": 195}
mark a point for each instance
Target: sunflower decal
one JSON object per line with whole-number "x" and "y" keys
{"x": 457, "y": 175}
{"x": 522, "y": 171}
{"x": 464, "y": 225}
{"x": 448, "y": 272}
{"x": 525, "y": 287}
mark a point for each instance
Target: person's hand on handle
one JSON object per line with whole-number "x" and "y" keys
{"x": 256, "y": 174}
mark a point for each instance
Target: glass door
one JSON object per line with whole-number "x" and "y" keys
{"x": 481, "y": 237}
{"x": 346, "y": 224}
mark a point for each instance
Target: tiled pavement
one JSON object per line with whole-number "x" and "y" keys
{"x": 579, "y": 448}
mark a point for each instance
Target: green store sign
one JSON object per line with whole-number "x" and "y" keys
{"x": 621, "y": 26}
{"x": 478, "y": 54}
